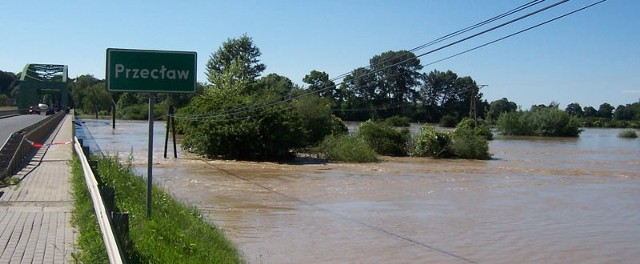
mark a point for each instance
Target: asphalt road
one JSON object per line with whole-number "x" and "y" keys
{"x": 15, "y": 123}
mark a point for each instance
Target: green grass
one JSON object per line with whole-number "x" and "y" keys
{"x": 174, "y": 234}
{"x": 628, "y": 133}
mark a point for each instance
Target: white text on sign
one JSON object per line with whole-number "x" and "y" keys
{"x": 161, "y": 74}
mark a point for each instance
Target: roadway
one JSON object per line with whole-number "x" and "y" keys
{"x": 15, "y": 123}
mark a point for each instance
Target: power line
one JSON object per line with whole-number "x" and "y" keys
{"x": 458, "y": 32}
{"x": 246, "y": 109}
{"x": 282, "y": 100}
{"x": 516, "y": 33}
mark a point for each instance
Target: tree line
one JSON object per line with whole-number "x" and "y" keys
{"x": 391, "y": 85}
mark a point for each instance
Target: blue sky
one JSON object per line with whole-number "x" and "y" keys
{"x": 590, "y": 57}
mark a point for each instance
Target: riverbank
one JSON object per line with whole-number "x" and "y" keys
{"x": 175, "y": 233}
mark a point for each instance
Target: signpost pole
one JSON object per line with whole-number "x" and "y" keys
{"x": 151, "y": 71}
{"x": 152, "y": 100}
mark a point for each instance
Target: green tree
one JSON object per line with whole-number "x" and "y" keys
{"x": 500, "y": 106}
{"x": 359, "y": 90}
{"x": 628, "y": 112}
{"x": 276, "y": 84}
{"x": 8, "y": 81}
{"x": 96, "y": 99}
{"x": 540, "y": 121}
{"x": 574, "y": 109}
{"x": 605, "y": 111}
{"x": 240, "y": 117}
{"x": 317, "y": 118}
{"x": 241, "y": 52}
{"x": 397, "y": 77}
{"x": 589, "y": 111}
{"x": 444, "y": 93}
{"x": 383, "y": 138}
{"x": 80, "y": 91}
{"x": 320, "y": 83}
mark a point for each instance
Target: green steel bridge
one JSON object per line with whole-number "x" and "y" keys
{"x": 43, "y": 83}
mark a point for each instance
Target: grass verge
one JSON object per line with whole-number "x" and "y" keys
{"x": 174, "y": 234}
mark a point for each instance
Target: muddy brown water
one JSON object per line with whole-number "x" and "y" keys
{"x": 540, "y": 200}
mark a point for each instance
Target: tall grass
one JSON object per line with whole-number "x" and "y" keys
{"x": 174, "y": 234}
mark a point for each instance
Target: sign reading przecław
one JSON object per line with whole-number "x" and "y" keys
{"x": 152, "y": 71}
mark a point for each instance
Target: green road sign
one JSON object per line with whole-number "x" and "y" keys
{"x": 151, "y": 71}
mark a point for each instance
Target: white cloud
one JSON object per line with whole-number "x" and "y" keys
{"x": 631, "y": 91}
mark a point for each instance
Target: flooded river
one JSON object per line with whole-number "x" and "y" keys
{"x": 540, "y": 200}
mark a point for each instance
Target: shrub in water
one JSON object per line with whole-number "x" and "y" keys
{"x": 345, "y": 148}
{"x": 481, "y": 130}
{"x": 543, "y": 121}
{"x": 431, "y": 143}
{"x": 398, "y": 121}
{"x": 468, "y": 144}
{"x": 628, "y": 133}
{"x": 384, "y": 139}
{"x": 448, "y": 121}
{"x": 511, "y": 123}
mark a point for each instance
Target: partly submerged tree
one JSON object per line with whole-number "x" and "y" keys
{"x": 242, "y": 117}
{"x": 397, "y": 75}
{"x": 240, "y": 53}
{"x": 444, "y": 93}
{"x": 539, "y": 121}
{"x": 500, "y": 106}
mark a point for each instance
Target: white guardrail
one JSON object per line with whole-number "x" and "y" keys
{"x": 104, "y": 220}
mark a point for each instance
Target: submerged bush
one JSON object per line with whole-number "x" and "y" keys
{"x": 448, "y": 121}
{"x": 346, "y": 148}
{"x": 431, "y": 143}
{"x": 317, "y": 119}
{"x": 464, "y": 142}
{"x": 398, "y": 121}
{"x": 543, "y": 121}
{"x": 383, "y": 138}
{"x": 628, "y": 133}
{"x": 269, "y": 132}
{"x": 481, "y": 129}
{"x": 469, "y": 144}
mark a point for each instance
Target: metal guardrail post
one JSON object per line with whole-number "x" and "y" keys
{"x": 114, "y": 251}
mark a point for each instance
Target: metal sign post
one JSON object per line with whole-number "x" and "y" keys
{"x": 152, "y": 100}
{"x": 151, "y": 71}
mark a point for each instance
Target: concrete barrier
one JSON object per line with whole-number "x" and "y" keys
{"x": 17, "y": 148}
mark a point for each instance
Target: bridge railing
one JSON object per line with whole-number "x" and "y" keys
{"x": 7, "y": 113}
{"x": 16, "y": 149}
